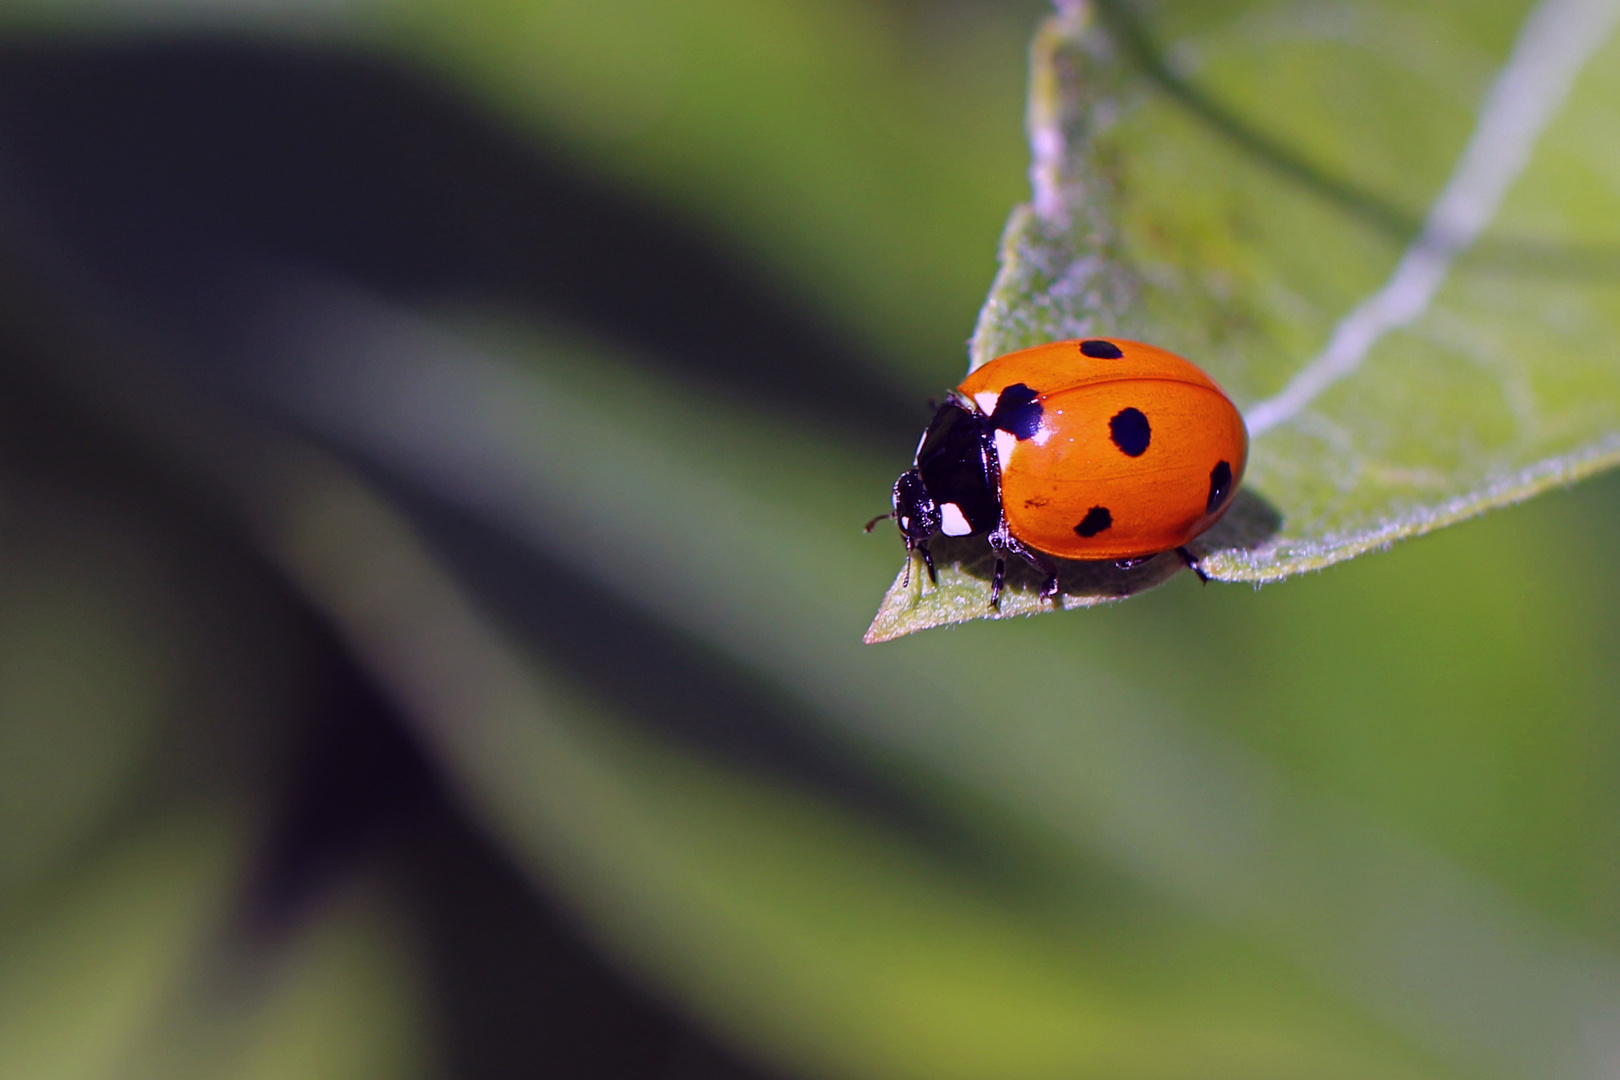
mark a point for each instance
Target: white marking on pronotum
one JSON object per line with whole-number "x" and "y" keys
{"x": 1006, "y": 443}
{"x": 952, "y": 522}
{"x": 1555, "y": 42}
{"x": 987, "y": 400}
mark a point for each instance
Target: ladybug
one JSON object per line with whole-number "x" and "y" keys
{"x": 1098, "y": 449}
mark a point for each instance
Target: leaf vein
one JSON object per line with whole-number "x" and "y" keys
{"x": 1557, "y": 40}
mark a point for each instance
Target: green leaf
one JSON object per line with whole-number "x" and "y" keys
{"x": 1392, "y": 237}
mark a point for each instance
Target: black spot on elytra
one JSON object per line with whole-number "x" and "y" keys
{"x": 1220, "y": 486}
{"x": 1130, "y": 432}
{"x": 1099, "y": 349}
{"x": 1017, "y": 411}
{"x": 1097, "y": 520}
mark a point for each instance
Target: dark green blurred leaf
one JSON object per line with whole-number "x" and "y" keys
{"x": 863, "y": 126}
{"x": 89, "y": 675}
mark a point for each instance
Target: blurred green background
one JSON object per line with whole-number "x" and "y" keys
{"x": 433, "y": 444}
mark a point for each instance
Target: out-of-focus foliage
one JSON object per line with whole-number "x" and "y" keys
{"x": 601, "y": 559}
{"x": 145, "y": 688}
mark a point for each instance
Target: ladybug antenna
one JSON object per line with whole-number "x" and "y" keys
{"x": 870, "y": 525}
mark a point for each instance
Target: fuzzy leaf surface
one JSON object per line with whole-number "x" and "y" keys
{"x": 1392, "y": 236}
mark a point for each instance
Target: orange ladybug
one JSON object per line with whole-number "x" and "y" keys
{"x": 1095, "y": 449}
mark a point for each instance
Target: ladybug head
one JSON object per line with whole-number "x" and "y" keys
{"x": 914, "y": 509}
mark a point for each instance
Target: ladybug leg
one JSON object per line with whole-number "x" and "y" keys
{"x": 1002, "y": 542}
{"x": 1049, "y": 583}
{"x": 1049, "y": 587}
{"x": 1192, "y": 564}
{"x": 999, "y": 543}
{"x": 928, "y": 561}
